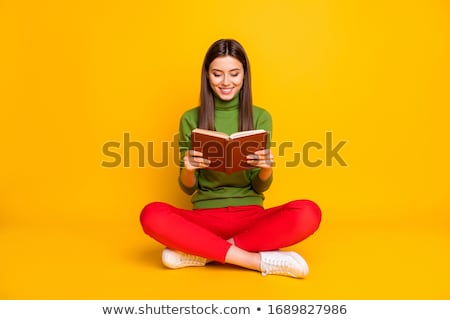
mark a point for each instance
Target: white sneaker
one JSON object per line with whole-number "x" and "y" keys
{"x": 177, "y": 259}
{"x": 285, "y": 263}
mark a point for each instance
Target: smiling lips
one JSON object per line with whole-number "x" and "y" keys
{"x": 226, "y": 91}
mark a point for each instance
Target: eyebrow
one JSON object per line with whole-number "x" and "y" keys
{"x": 235, "y": 69}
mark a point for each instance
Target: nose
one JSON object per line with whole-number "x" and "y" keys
{"x": 226, "y": 80}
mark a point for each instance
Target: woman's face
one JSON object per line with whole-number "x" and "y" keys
{"x": 226, "y": 76}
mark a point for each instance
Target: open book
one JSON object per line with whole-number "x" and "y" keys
{"x": 227, "y": 153}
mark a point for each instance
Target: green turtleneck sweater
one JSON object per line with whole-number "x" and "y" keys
{"x": 216, "y": 189}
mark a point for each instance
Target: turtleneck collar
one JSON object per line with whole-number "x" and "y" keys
{"x": 232, "y": 104}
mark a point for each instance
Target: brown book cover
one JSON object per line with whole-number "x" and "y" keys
{"x": 228, "y": 153}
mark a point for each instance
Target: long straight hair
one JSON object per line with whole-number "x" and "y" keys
{"x": 222, "y": 48}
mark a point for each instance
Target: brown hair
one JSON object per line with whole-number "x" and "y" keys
{"x": 222, "y": 48}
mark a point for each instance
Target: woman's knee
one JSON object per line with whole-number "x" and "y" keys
{"x": 152, "y": 216}
{"x": 308, "y": 213}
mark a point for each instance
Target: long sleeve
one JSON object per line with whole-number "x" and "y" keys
{"x": 188, "y": 122}
{"x": 263, "y": 120}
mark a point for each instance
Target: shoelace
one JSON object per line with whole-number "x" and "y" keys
{"x": 188, "y": 258}
{"x": 276, "y": 266}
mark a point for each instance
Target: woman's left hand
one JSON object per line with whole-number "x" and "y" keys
{"x": 261, "y": 159}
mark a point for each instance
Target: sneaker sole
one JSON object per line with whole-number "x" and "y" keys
{"x": 170, "y": 260}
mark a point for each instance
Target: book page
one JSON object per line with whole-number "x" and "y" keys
{"x": 246, "y": 133}
{"x": 212, "y": 133}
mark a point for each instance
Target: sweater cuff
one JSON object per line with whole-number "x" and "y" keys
{"x": 261, "y": 185}
{"x": 188, "y": 190}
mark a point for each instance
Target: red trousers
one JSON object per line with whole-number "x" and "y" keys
{"x": 204, "y": 232}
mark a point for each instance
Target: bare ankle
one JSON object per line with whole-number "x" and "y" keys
{"x": 242, "y": 258}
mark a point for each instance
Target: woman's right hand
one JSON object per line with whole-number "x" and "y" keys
{"x": 194, "y": 160}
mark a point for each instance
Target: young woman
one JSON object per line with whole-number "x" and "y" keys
{"x": 228, "y": 223}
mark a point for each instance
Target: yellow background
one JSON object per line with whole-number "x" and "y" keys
{"x": 75, "y": 75}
